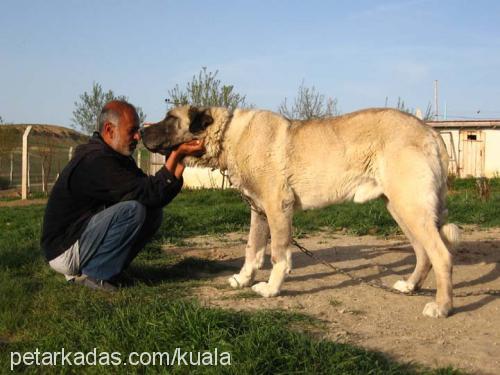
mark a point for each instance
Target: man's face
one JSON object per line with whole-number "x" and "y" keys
{"x": 126, "y": 135}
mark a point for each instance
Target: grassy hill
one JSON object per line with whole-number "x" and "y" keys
{"x": 11, "y": 136}
{"x": 48, "y": 145}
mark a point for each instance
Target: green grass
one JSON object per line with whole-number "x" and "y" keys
{"x": 157, "y": 312}
{"x": 466, "y": 207}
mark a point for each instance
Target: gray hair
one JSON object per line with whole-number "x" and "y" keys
{"x": 107, "y": 115}
{"x": 113, "y": 112}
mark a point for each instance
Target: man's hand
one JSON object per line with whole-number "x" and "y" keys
{"x": 191, "y": 148}
{"x": 174, "y": 162}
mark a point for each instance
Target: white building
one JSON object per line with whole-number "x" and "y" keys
{"x": 194, "y": 178}
{"x": 473, "y": 146}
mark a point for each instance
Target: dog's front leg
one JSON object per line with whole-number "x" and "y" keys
{"x": 254, "y": 252}
{"x": 280, "y": 223}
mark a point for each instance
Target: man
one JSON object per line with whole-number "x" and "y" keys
{"x": 103, "y": 209}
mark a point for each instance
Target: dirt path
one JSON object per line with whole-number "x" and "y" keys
{"x": 373, "y": 318}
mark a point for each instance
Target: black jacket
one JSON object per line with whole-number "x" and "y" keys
{"x": 95, "y": 178}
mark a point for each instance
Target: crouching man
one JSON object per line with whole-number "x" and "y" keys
{"x": 103, "y": 209}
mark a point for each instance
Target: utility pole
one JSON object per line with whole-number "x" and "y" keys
{"x": 436, "y": 114}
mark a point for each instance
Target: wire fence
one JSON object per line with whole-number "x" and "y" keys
{"x": 46, "y": 158}
{"x": 44, "y": 165}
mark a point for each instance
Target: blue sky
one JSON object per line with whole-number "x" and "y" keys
{"x": 359, "y": 52}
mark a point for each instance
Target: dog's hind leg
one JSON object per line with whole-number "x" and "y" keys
{"x": 280, "y": 224}
{"x": 423, "y": 264}
{"x": 423, "y": 229}
{"x": 441, "y": 260}
{"x": 254, "y": 251}
{"x": 413, "y": 193}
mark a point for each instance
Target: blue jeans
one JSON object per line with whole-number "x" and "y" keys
{"x": 114, "y": 237}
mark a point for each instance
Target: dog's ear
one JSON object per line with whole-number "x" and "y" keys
{"x": 200, "y": 120}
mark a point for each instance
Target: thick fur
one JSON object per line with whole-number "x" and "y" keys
{"x": 282, "y": 165}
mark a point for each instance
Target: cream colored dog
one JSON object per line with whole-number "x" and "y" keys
{"x": 282, "y": 165}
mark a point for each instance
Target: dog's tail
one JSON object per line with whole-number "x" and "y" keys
{"x": 450, "y": 233}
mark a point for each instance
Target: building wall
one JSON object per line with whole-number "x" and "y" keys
{"x": 194, "y": 177}
{"x": 492, "y": 153}
{"x": 197, "y": 178}
{"x": 451, "y": 138}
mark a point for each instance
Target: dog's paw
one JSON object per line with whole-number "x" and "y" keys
{"x": 265, "y": 290}
{"x": 237, "y": 281}
{"x": 432, "y": 310}
{"x": 404, "y": 286}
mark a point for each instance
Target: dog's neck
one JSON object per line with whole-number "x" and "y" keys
{"x": 215, "y": 155}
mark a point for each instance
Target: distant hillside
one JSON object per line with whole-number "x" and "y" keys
{"x": 41, "y": 134}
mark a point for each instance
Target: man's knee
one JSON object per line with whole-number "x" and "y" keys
{"x": 133, "y": 210}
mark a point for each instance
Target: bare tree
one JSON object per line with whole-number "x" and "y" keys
{"x": 429, "y": 114}
{"x": 1, "y": 120}
{"x": 9, "y": 146}
{"x": 402, "y": 107}
{"x": 46, "y": 151}
{"x": 206, "y": 90}
{"x": 309, "y": 104}
{"x": 88, "y": 108}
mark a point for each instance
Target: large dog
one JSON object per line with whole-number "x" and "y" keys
{"x": 282, "y": 165}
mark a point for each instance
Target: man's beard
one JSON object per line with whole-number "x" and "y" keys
{"x": 125, "y": 150}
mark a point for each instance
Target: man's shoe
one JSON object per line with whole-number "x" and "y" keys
{"x": 71, "y": 278}
{"x": 92, "y": 283}
{"x": 124, "y": 279}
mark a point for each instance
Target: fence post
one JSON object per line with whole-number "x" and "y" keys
{"x": 223, "y": 179}
{"x": 139, "y": 158}
{"x": 25, "y": 167}
{"x": 70, "y": 153}
{"x": 43, "y": 178}
{"x": 29, "y": 173}
{"x": 11, "y": 168}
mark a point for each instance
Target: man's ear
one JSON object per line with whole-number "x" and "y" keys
{"x": 107, "y": 129}
{"x": 200, "y": 120}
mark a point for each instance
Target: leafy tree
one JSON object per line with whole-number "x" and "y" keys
{"x": 1, "y": 120}
{"x": 206, "y": 90}
{"x": 309, "y": 104}
{"x": 88, "y": 108}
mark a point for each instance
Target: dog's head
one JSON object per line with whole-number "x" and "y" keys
{"x": 181, "y": 124}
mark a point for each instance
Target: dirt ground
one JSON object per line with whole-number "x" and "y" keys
{"x": 15, "y": 194}
{"x": 356, "y": 313}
